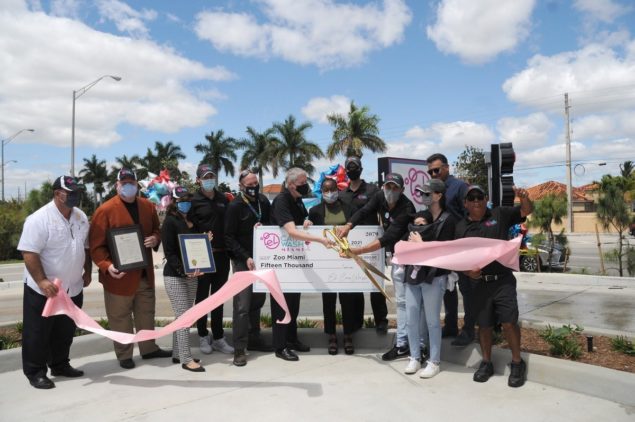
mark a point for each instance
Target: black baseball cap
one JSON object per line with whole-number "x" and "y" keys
{"x": 203, "y": 170}
{"x": 474, "y": 187}
{"x": 394, "y": 178}
{"x": 67, "y": 183}
{"x": 432, "y": 185}
{"x": 353, "y": 161}
{"x": 180, "y": 192}
{"x": 126, "y": 173}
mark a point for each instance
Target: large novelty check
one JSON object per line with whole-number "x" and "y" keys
{"x": 310, "y": 267}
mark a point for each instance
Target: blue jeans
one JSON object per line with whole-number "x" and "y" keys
{"x": 398, "y": 275}
{"x": 429, "y": 297}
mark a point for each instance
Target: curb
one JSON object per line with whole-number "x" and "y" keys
{"x": 604, "y": 383}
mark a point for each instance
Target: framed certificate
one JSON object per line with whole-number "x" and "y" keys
{"x": 126, "y": 248}
{"x": 196, "y": 253}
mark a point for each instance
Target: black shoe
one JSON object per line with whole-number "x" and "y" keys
{"x": 67, "y": 371}
{"x": 286, "y": 354}
{"x": 177, "y": 360}
{"x": 425, "y": 355}
{"x": 449, "y": 332}
{"x": 298, "y": 346}
{"x": 484, "y": 371}
{"x": 198, "y": 369}
{"x": 382, "y": 327}
{"x": 258, "y": 345}
{"x": 517, "y": 374}
{"x": 159, "y": 353}
{"x": 127, "y": 363}
{"x": 240, "y": 359}
{"x": 42, "y": 382}
{"x": 396, "y": 353}
{"x": 463, "y": 339}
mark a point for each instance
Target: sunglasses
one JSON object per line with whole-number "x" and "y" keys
{"x": 434, "y": 171}
{"x": 472, "y": 198}
{"x": 246, "y": 173}
{"x": 420, "y": 193}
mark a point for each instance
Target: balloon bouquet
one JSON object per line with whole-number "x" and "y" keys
{"x": 157, "y": 188}
{"x": 336, "y": 172}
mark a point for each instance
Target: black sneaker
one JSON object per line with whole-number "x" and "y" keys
{"x": 484, "y": 371}
{"x": 396, "y": 353}
{"x": 239, "y": 357}
{"x": 463, "y": 339}
{"x": 382, "y": 327}
{"x": 425, "y": 355}
{"x": 517, "y": 374}
{"x": 449, "y": 332}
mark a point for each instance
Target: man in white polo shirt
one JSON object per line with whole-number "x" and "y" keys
{"x": 54, "y": 244}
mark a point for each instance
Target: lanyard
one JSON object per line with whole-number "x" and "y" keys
{"x": 258, "y": 213}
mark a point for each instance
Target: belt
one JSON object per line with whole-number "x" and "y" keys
{"x": 491, "y": 277}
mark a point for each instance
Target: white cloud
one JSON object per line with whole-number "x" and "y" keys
{"x": 602, "y": 10}
{"x": 65, "y": 8}
{"x": 456, "y": 135}
{"x": 37, "y": 82}
{"x": 479, "y": 30}
{"x": 597, "y": 77}
{"x": 525, "y": 132}
{"x": 318, "y": 108}
{"x": 311, "y": 32}
{"x": 125, "y": 18}
{"x": 604, "y": 127}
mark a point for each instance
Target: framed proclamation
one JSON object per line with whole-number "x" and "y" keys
{"x": 126, "y": 248}
{"x": 196, "y": 253}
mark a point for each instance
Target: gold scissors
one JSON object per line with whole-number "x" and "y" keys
{"x": 344, "y": 247}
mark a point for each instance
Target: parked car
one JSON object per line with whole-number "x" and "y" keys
{"x": 530, "y": 260}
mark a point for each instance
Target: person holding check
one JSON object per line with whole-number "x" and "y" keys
{"x": 179, "y": 285}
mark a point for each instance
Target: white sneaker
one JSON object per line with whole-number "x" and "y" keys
{"x": 430, "y": 370}
{"x": 222, "y": 346}
{"x": 413, "y": 366}
{"x": 204, "y": 344}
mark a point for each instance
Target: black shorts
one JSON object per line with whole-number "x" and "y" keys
{"x": 495, "y": 301}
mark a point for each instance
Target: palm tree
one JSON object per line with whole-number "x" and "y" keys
{"x": 295, "y": 150}
{"x": 550, "y": 210}
{"x": 627, "y": 170}
{"x": 167, "y": 157}
{"x": 133, "y": 163}
{"x": 259, "y": 152}
{"x": 220, "y": 152}
{"x": 95, "y": 172}
{"x": 355, "y": 132}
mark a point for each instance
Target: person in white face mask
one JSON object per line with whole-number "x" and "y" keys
{"x": 129, "y": 295}
{"x": 333, "y": 211}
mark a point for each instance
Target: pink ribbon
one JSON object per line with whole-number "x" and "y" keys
{"x": 63, "y": 305}
{"x": 465, "y": 254}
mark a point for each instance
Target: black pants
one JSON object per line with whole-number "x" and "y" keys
{"x": 246, "y": 318}
{"x": 451, "y": 304}
{"x": 208, "y": 284}
{"x": 285, "y": 333}
{"x": 45, "y": 340}
{"x": 380, "y": 309}
{"x": 352, "y": 315}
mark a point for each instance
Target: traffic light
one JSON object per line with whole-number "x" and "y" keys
{"x": 500, "y": 171}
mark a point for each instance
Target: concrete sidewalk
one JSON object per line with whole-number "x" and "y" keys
{"x": 320, "y": 387}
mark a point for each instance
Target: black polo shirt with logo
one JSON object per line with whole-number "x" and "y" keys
{"x": 286, "y": 208}
{"x": 360, "y": 197}
{"x": 495, "y": 224}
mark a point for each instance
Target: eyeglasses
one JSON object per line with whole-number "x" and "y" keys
{"x": 434, "y": 171}
{"x": 472, "y": 198}
{"x": 420, "y": 193}
{"x": 246, "y": 173}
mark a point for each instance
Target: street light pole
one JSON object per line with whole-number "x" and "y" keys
{"x": 76, "y": 94}
{"x": 4, "y": 142}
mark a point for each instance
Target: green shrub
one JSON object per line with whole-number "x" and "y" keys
{"x": 104, "y": 323}
{"x": 19, "y": 327}
{"x": 227, "y": 324}
{"x": 338, "y": 317}
{"x": 563, "y": 341}
{"x": 307, "y": 323}
{"x": 623, "y": 345}
{"x": 369, "y": 322}
{"x": 266, "y": 320}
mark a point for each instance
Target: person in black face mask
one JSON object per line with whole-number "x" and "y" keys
{"x": 356, "y": 196}
{"x": 247, "y": 211}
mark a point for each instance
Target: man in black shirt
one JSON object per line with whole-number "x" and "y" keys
{"x": 357, "y": 195}
{"x": 494, "y": 285}
{"x": 288, "y": 211}
{"x": 208, "y": 215}
{"x": 247, "y": 211}
{"x": 395, "y": 212}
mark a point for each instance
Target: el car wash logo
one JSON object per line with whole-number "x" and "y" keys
{"x": 270, "y": 240}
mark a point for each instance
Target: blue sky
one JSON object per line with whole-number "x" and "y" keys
{"x": 439, "y": 74}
